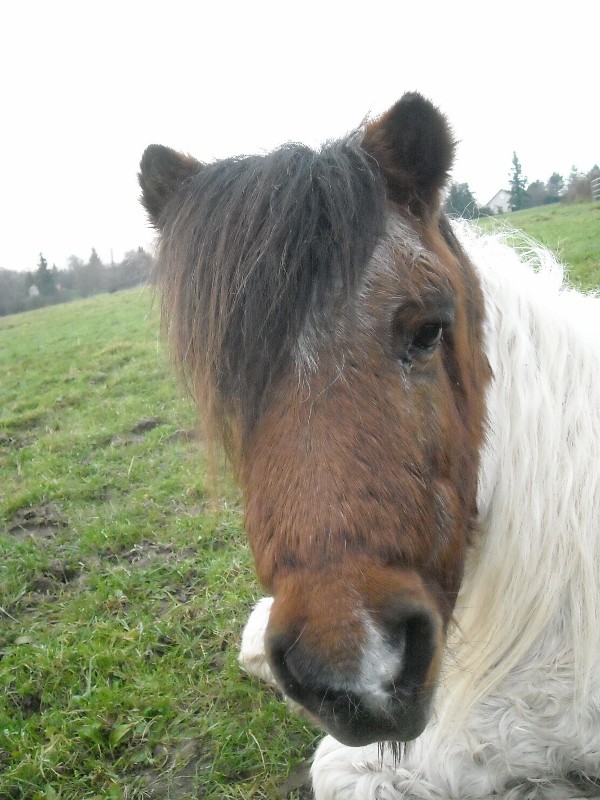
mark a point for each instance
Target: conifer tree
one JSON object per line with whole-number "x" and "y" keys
{"x": 44, "y": 279}
{"x": 518, "y": 184}
{"x": 460, "y": 201}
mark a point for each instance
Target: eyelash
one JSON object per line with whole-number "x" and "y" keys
{"x": 416, "y": 345}
{"x": 427, "y": 338}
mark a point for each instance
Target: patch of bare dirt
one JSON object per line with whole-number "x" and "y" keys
{"x": 145, "y": 553}
{"x": 136, "y": 433}
{"x": 38, "y": 522}
{"x": 178, "y": 771}
{"x": 99, "y": 377}
{"x": 147, "y": 424}
{"x": 50, "y": 582}
{"x": 297, "y": 781}
{"x": 15, "y": 441}
{"x": 27, "y": 703}
{"x": 185, "y": 435}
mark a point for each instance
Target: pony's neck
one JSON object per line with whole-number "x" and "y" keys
{"x": 535, "y": 569}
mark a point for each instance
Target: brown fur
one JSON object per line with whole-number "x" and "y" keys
{"x": 414, "y": 149}
{"x": 252, "y": 251}
{"x": 357, "y": 450}
{"x": 318, "y": 492}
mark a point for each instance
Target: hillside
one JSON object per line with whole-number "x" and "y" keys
{"x": 124, "y": 587}
{"x": 570, "y": 231}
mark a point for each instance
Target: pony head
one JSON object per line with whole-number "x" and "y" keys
{"x": 330, "y": 328}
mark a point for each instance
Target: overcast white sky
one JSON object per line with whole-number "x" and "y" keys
{"x": 86, "y": 87}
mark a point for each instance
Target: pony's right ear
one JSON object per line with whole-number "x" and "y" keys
{"x": 162, "y": 172}
{"x": 414, "y": 147}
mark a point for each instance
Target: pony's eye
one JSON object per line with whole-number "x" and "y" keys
{"x": 427, "y": 337}
{"x": 413, "y": 339}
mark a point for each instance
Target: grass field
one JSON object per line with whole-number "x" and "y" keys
{"x": 570, "y": 231}
{"x": 123, "y": 587}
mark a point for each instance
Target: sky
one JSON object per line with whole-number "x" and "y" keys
{"x": 86, "y": 87}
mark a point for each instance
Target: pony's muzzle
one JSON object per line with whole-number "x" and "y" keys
{"x": 367, "y": 674}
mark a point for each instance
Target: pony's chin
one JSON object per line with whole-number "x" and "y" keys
{"x": 373, "y": 735}
{"x": 374, "y": 731}
{"x": 352, "y": 723}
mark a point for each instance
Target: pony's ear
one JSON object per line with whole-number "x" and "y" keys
{"x": 162, "y": 172}
{"x": 414, "y": 147}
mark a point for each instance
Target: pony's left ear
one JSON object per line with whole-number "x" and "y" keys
{"x": 162, "y": 172}
{"x": 414, "y": 148}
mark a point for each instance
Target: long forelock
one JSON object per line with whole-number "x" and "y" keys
{"x": 254, "y": 251}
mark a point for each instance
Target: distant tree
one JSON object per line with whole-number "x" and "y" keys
{"x": 554, "y": 188}
{"x": 44, "y": 279}
{"x": 95, "y": 261}
{"x": 518, "y": 182}
{"x": 89, "y": 277}
{"x": 69, "y": 278}
{"x": 579, "y": 185}
{"x": 13, "y": 292}
{"x": 95, "y": 270}
{"x": 78, "y": 279}
{"x": 536, "y": 193}
{"x": 74, "y": 263}
{"x": 134, "y": 270}
{"x": 461, "y": 202}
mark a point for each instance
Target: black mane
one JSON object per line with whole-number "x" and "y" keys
{"x": 252, "y": 251}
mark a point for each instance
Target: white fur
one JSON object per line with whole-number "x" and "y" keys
{"x": 380, "y": 664}
{"x": 252, "y": 652}
{"x": 518, "y": 708}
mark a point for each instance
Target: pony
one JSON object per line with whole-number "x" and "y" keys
{"x": 411, "y": 411}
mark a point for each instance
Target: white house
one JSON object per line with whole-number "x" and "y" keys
{"x": 500, "y": 202}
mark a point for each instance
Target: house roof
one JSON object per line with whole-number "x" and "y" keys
{"x": 503, "y": 195}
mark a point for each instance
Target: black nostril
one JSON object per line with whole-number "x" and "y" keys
{"x": 294, "y": 669}
{"x": 414, "y": 634}
{"x": 411, "y": 633}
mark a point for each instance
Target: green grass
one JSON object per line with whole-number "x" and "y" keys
{"x": 123, "y": 587}
{"x": 570, "y": 231}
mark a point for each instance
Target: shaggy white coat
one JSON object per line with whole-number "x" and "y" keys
{"x": 517, "y": 713}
